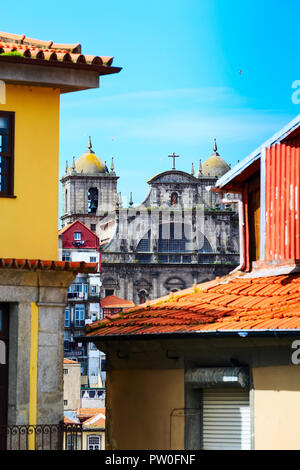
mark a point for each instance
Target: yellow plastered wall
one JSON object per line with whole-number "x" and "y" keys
{"x": 29, "y": 222}
{"x": 139, "y": 404}
{"x": 276, "y": 407}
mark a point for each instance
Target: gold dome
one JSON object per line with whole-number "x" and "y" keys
{"x": 215, "y": 166}
{"x": 89, "y": 163}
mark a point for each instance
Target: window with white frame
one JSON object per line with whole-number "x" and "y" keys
{"x": 67, "y": 317}
{"x": 79, "y": 315}
{"x": 66, "y": 255}
{"x": 94, "y": 443}
{"x": 77, "y": 235}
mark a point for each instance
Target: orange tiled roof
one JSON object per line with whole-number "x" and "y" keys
{"x": 48, "y": 265}
{"x": 48, "y": 51}
{"x": 69, "y": 420}
{"x": 69, "y": 361}
{"x": 89, "y": 412}
{"x": 96, "y": 421}
{"x": 239, "y": 303}
{"x": 112, "y": 301}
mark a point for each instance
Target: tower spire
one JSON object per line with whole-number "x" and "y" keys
{"x": 90, "y": 145}
{"x": 215, "y": 145}
{"x": 131, "y": 201}
{"x": 200, "y": 167}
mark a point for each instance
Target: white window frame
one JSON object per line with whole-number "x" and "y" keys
{"x": 93, "y": 436}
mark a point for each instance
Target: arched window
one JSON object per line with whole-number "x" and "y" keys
{"x": 143, "y": 296}
{"x": 174, "y": 199}
{"x": 92, "y": 200}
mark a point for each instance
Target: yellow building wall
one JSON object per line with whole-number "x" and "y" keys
{"x": 139, "y": 404}
{"x": 276, "y": 407}
{"x": 29, "y": 222}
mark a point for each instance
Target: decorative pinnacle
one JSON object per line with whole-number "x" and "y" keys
{"x": 112, "y": 166}
{"x": 130, "y": 200}
{"x": 67, "y": 166}
{"x": 90, "y": 145}
{"x": 200, "y": 167}
{"x": 192, "y": 170}
{"x": 215, "y": 145}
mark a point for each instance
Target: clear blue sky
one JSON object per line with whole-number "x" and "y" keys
{"x": 180, "y": 85}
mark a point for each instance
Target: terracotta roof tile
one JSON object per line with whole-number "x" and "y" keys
{"x": 69, "y": 361}
{"x": 48, "y": 265}
{"x": 48, "y": 51}
{"x": 112, "y": 301}
{"x": 241, "y": 303}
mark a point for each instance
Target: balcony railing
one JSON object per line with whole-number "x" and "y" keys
{"x": 41, "y": 437}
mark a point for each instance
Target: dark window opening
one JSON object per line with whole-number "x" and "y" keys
{"x": 92, "y": 200}
{"x": 109, "y": 292}
{"x": 93, "y": 227}
{"x": 6, "y": 153}
{"x": 66, "y": 201}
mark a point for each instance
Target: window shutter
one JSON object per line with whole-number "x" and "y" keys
{"x": 226, "y": 419}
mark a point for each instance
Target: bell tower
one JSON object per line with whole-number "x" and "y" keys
{"x": 89, "y": 189}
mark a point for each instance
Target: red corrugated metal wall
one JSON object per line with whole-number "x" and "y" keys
{"x": 282, "y": 201}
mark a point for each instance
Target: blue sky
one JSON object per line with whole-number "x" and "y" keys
{"x": 180, "y": 86}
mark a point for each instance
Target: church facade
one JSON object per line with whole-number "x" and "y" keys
{"x": 179, "y": 236}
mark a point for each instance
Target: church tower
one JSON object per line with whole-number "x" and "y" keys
{"x": 89, "y": 190}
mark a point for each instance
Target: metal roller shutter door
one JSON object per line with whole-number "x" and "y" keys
{"x": 226, "y": 419}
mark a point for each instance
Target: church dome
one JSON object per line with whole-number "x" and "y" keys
{"x": 89, "y": 163}
{"x": 215, "y": 166}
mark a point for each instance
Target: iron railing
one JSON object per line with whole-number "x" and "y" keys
{"x": 41, "y": 437}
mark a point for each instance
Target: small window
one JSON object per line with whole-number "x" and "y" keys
{"x": 6, "y": 153}
{"x": 93, "y": 259}
{"x": 109, "y": 292}
{"x": 66, "y": 256}
{"x": 94, "y": 443}
{"x": 93, "y": 227}
{"x": 65, "y": 402}
{"x": 67, "y": 317}
{"x": 66, "y": 371}
{"x": 77, "y": 235}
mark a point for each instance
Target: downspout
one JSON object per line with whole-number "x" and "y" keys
{"x": 240, "y": 203}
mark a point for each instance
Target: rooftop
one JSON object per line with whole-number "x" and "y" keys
{"x": 112, "y": 301}
{"x": 36, "y": 53}
{"x": 226, "y": 304}
{"x": 48, "y": 265}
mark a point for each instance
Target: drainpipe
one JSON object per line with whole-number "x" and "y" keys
{"x": 241, "y": 230}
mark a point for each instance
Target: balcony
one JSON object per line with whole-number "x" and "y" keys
{"x": 77, "y": 295}
{"x": 41, "y": 437}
